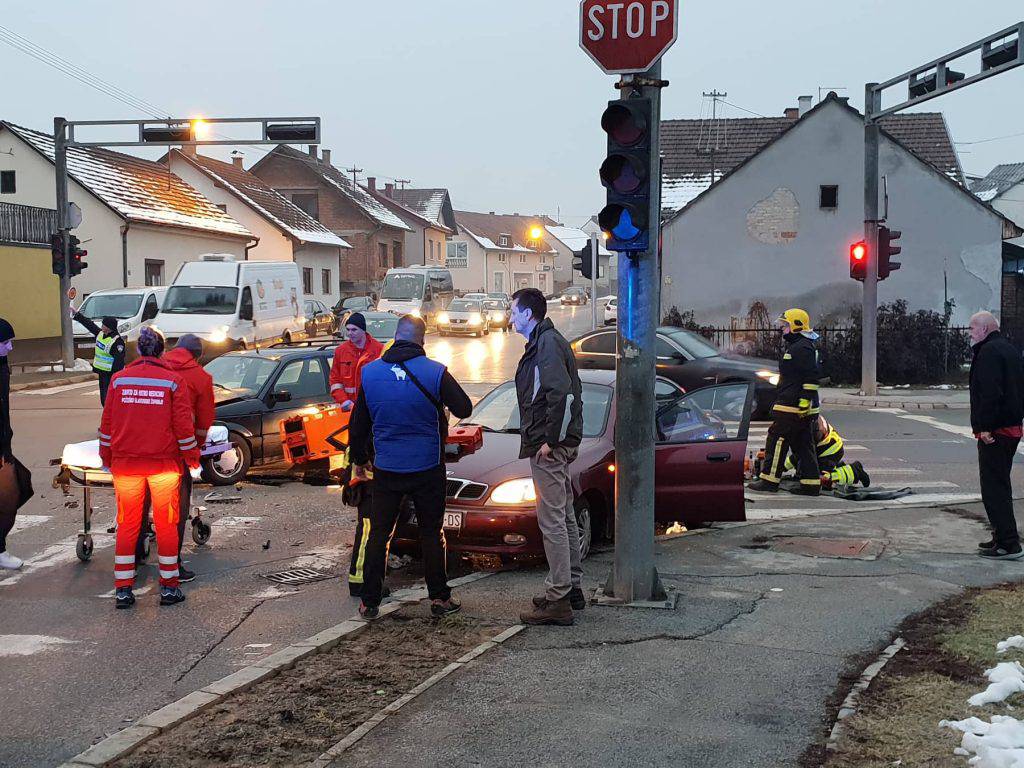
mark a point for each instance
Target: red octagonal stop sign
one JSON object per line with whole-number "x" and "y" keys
{"x": 627, "y": 36}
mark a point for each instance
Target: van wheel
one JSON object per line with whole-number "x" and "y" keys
{"x": 288, "y": 337}
{"x": 231, "y": 466}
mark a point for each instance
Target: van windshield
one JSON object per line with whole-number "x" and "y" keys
{"x": 402, "y": 287}
{"x": 200, "y": 300}
{"x": 120, "y": 305}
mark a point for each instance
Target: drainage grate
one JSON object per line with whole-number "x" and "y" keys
{"x": 297, "y": 576}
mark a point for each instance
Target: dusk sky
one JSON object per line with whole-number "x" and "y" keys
{"x": 493, "y": 100}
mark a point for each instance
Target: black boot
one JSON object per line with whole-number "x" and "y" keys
{"x": 860, "y": 475}
{"x": 761, "y": 484}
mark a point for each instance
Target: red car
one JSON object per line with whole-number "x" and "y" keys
{"x": 698, "y": 468}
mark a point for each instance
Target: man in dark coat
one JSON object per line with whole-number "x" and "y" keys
{"x": 8, "y": 506}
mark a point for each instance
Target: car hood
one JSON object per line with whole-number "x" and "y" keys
{"x": 201, "y": 325}
{"x": 752, "y": 364}
{"x": 226, "y": 396}
{"x": 498, "y": 460}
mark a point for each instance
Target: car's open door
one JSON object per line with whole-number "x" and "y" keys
{"x": 701, "y": 440}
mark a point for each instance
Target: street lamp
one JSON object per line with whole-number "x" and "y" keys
{"x": 200, "y": 128}
{"x": 536, "y": 232}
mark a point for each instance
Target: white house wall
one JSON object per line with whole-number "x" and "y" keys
{"x": 320, "y": 257}
{"x": 1011, "y": 205}
{"x": 173, "y": 247}
{"x": 760, "y": 234}
{"x": 472, "y": 277}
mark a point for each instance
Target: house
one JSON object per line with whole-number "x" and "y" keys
{"x": 429, "y": 215}
{"x": 377, "y": 235}
{"x": 501, "y": 252}
{"x": 140, "y": 222}
{"x": 766, "y": 210}
{"x": 1003, "y": 189}
{"x": 29, "y": 291}
{"x": 568, "y": 242}
{"x": 284, "y": 232}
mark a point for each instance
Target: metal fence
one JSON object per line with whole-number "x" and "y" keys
{"x": 26, "y": 224}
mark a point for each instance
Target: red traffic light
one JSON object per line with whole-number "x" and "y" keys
{"x": 858, "y": 260}
{"x": 626, "y": 124}
{"x": 623, "y": 174}
{"x": 858, "y": 251}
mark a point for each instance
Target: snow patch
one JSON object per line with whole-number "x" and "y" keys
{"x": 1017, "y": 641}
{"x": 1005, "y": 679}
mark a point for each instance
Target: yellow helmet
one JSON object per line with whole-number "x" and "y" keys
{"x": 798, "y": 320}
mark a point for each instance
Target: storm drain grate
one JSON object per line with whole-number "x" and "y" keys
{"x": 297, "y": 576}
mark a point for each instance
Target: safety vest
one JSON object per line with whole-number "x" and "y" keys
{"x": 103, "y": 360}
{"x": 829, "y": 443}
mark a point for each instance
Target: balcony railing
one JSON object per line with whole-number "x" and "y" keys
{"x": 26, "y": 224}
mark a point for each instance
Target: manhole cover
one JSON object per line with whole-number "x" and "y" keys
{"x": 297, "y": 576}
{"x": 858, "y": 549}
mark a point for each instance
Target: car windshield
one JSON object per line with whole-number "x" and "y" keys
{"x": 120, "y": 305}
{"x": 402, "y": 287}
{"x": 499, "y": 305}
{"x": 240, "y": 372}
{"x": 694, "y": 345}
{"x": 382, "y": 328}
{"x": 499, "y": 409}
{"x": 462, "y": 305}
{"x": 498, "y": 295}
{"x": 573, "y": 291}
{"x": 355, "y": 302}
{"x": 200, "y": 300}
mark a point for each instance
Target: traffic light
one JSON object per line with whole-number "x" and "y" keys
{"x": 625, "y": 173}
{"x": 886, "y": 248}
{"x": 57, "y": 254}
{"x": 584, "y": 261}
{"x": 75, "y": 256}
{"x": 858, "y": 260}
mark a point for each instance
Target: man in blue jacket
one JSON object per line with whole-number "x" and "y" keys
{"x": 401, "y": 405}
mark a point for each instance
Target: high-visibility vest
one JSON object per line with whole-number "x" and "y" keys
{"x": 103, "y": 360}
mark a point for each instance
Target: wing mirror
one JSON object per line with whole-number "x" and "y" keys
{"x": 282, "y": 396}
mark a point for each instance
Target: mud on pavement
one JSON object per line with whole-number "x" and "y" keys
{"x": 292, "y": 718}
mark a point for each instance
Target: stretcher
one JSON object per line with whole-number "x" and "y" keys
{"x": 80, "y": 465}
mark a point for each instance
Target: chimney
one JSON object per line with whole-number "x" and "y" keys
{"x": 236, "y": 160}
{"x": 371, "y": 183}
{"x": 389, "y": 190}
{"x": 312, "y": 151}
{"x": 188, "y": 149}
{"x": 326, "y": 156}
{"x": 792, "y": 113}
{"x": 806, "y": 103}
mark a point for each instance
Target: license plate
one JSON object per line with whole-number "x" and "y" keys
{"x": 86, "y": 345}
{"x": 452, "y": 520}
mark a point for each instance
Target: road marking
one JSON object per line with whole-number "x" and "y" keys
{"x": 955, "y": 429}
{"x": 135, "y": 591}
{"x": 891, "y": 471}
{"x": 856, "y": 448}
{"x": 21, "y": 522}
{"x": 925, "y": 484}
{"x": 27, "y": 645}
{"x": 234, "y": 521}
{"x": 938, "y": 498}
{"x": 61, "y": 553}
{"x": 58, "y": 390}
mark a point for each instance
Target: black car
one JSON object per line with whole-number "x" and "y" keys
{"x": 689, "y": 360}
{"x": 320, "y": 321}
{"x": 254, "y": 390}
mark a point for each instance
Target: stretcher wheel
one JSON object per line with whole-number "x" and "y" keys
{"x": 200, "y": 531}
{"x": 83, "y": 547}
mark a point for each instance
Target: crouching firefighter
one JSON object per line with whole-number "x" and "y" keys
{"x": 828, "y": 447}
{"x": 795, "y": 411}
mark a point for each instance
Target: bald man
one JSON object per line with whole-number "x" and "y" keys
{"x": 997, "y": 410}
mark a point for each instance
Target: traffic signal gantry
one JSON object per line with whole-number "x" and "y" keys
{"x": 625, "y": 174}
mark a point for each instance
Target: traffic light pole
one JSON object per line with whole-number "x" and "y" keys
{"x": 634, "y": 579}
{"x": 594, "y": 240}
{"x": 60, "y": 162}
{"x": 869, "y": 309}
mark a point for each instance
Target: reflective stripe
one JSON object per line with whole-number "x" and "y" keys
{"x": 102, "y": 436}
{"x": 787, "y": 408}
{"x": 104, "y": 443}
{"x": 350, "y": 390}
{"x": 124, "y": 559}
{"x": 836, "y": 448}
{"x": 168, "y": 574}
{"x": 102, "y": 359}
{"x": 769, "y": 478}
{"x": 810, "y": 386}
{"x": 810, "y": 482}
{"x": 787, "y": 356}
{"x": 120, "y": 574}
{"x": 189, "y": 447}
{"x": 168, "y": 559}
{"x": 336, "y": 387}
{"x": 186, "y": 439}
{"x": 143, "y": 381}
{"x": 357, "y": 577}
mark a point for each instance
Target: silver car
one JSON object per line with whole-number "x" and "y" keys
{"x": 463, "y": 316}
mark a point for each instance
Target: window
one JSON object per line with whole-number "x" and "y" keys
{"x": 501, "y": 257}
{"x": 382, "y": 255}
{"x": 396, "y": 253}
{"x": 151, "y": 309}
{"x": 458, "y": 255}
{"x": 307, "y": 280}
{"x": 664, "y": 350}
{"x": 499, "y": 410}
{"x": 504, "y": 241}
{"x": 7, "y": 186}
{"x": 522, "y": 258}
{"x": 600, "y": 344}
{"x": 244, "y": 309}
{"x": 154, "y": 272}
{"x": 307, "y": 201}
{"x": 325, "y": 281}
{"x": 828, "y": 196}
{"x": 222, "y": 206}
{"x": 712, "y": 413}
{"x": 303, "y": 378}
{"x": 431, "y": 250}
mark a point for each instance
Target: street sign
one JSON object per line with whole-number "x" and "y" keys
{"x": 72, "y": 293}
{"x": 74, "y": 216}
{"x": 627, "y": 36}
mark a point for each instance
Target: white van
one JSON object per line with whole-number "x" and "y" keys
{"x": 233, "y": 304}
{"x": 416, "y": 290}
{"x": 131, "y": 306}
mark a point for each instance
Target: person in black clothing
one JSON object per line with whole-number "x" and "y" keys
{"x": 8, "y": 513}
{"x": 401, "y": 402}
{"x": 110, "y": 350}
{"x": 997, "y": 410}
{"x": 795, "y": 411}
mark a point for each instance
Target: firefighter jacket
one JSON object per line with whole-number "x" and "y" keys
{"x": 147, "y": 421}
{"x": 348, "y": 362}
{"x": 828, "y": 441}
{"x": 200, "y": 387}
{"x": 797, "y": 391}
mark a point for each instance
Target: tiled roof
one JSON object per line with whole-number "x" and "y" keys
{"x": 270, "y": 204}
{"x": 487, "y": 228}
{"x": 927, "y": 136}
{"x": 1000, "y": 179}
{"x": 362, "y": 199}
{"x": 428, "y": 203}
{"x": 137, "y": 189}
{"x": 575, "y": 239}
{"x": 405, "y": 213}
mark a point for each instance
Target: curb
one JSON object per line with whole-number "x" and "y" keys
{"x": 906, "y": 405}
{"x": 849, "y": 705}
{"x": 48, "y": 383}
{"x": 129, "y": 739}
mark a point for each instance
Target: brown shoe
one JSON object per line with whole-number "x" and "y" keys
{"x": 577, "y": 599}
{"x": 558, "y": 612}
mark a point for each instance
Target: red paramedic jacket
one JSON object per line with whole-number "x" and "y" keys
{"x": 147, "y": 425}
{"x": 348, "y": 360}
{"x": 200, "y": 385}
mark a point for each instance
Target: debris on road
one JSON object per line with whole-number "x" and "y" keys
{"x": 214, "y": 497}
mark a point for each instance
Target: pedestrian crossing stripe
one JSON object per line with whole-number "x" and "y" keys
{"x": 21, "y": 522}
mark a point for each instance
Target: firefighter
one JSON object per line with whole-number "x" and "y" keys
{"x": 108, "y": 358}
{"x": 146, "y": 434}
{"x": 828, "y": 446}
{"x": 347, "y": 357}
{"x": 795, "y": 410}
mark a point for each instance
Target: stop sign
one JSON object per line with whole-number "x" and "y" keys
{"x": 627, "y": 36}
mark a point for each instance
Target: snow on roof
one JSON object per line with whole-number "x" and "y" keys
{"x": 428, "y": 203}
{"x": 487, "y": 229}
{"x": 135, "y": 188}
{"x": 574, "y": 239}
{"x": 1000, "y": 179}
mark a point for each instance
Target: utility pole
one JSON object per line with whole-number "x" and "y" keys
{"x": 869, "y": 305}
{"x": 714, "y": 96}
{"x": 594, "y": 261}
{"x": 403, "y": 182}
{"x": 355, "y": 175}
{"x": 60, "y": 172}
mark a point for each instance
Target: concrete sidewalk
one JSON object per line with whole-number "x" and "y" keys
{"x": 738, "y": 675}
{"x": 45, "y": 379}
{"x": 907, "y": 399}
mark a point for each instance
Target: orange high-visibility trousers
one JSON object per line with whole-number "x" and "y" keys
{"x": 131, "y": 496}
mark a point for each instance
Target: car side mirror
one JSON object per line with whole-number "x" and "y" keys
{"x": 282, "y": 396}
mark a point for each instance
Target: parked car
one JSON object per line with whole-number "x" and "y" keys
{"x": 500, "y": 295}
{"x": 381, "y": 325}
{"x": 698, "y": 456}
{"x": 611, "y": 311}
{"x": 689, "y": 360}
{"x": 475, "y": 296}
{"x": 320, "y": 321}
{"x": 131, "y": 306}
{"x": 498, "y": 313}
{"x": 254, "y": 390}
{"x": 575, "y": 295}
{"x": 354, "y": 304}
{"x": 463, "y": 316}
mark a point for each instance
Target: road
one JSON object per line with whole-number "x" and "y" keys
{"x": 74, "y": 669}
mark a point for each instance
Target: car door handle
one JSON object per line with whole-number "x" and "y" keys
{"x": 719, "y": 456}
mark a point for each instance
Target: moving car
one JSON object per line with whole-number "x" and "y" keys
{"x": 698, "y": 456}
{"x": 131, "y": 306}
{"x": 689, "y": 360}
{"x": 574, "y": 294}
{"x": 254, "y": 390}
{"x": 346, "y": 307}
{"x": 498, "y": 313}
{"x": 476, "y": 296}
{"x": 500, "y": 295}
{"x": 611, "y": 311}
{"x": 320, "y": 321}
{"x": 381, "y": 325}
{"x": 463, "y": 316}
{"x": 417, "y": 290}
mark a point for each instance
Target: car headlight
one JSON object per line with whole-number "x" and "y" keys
{"x": 497, "y": 316}
{"x": 475, "y": 319}
{"x": 443, "y": 318}
{"x": 520, "y": 491}
{"x": 219, "y": 335}
{"x": 771, "y": 377}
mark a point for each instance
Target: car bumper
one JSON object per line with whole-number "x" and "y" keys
{"x": 454, "y": 329}
{"x": 487, "y": 531}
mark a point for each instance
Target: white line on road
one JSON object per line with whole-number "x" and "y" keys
{"x": 61, "y": 553}
{"x": 27, "y": 645}
{"x": 135, "y": 591}
{"x": 956, "y": 429}
{"x": 891, "y": 471}
{"x": 58, "y": 390}
{"x": 21, "y": 522}
{"x": 924, "y": 484}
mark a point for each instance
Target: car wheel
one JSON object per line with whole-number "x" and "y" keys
{"x": 584, "y": 522}
{"x": 231, "y": 466}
